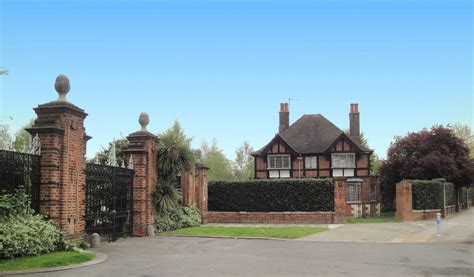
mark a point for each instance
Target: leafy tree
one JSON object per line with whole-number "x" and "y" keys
{"x": 426, "y": 155}
{"x": 174, "y": 154}
{"x": 23, "y": 138}
{"x": 220, "y": 168}
{"x": 3, "y": 71}
{"x": 243, "y": 166}
{"x": 464, "y": 132}
{"x": 5, "y": 136}
{"x": 120, "y": 145}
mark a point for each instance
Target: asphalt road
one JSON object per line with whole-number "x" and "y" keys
{"x": 185, "y": 256}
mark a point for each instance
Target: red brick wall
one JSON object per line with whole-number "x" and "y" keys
{"x": 270, "y": 217}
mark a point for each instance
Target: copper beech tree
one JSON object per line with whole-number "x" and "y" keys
{"x": 426, "y": 155}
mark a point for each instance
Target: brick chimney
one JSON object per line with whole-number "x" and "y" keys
{"x": 284, "y": 117}
{"x": 354, "y": 122}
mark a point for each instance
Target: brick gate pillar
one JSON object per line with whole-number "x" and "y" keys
{"x": 339, "y": 201}
{"x": 201, "y": 190}
{"x": 142, "y": 150}
{"x": 404, "y": 202}
{"x": 60, "y": 127}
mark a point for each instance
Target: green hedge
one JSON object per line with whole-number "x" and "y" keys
{"x": 428, "y": 195}
{"x": 271, "y": 195}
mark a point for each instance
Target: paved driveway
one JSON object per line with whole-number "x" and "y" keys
{"x": 458, "y": 228}
{"x": 185, "y": 256}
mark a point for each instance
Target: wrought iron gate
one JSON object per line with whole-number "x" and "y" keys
{"x": 21, "y": 170}
{"x": 109, "y": 205}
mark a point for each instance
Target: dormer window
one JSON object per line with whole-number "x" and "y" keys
{"x": 343, "y": 164}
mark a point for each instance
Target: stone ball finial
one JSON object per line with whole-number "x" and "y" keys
{"x": 144, "y": 119}
{"x": 62, "y": 86}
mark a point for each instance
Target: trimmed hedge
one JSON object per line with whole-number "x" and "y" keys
{"x": 428, "y": 195}
{"x": 303, "y": 195}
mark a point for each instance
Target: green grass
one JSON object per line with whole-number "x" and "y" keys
{"x": 48, "y": 260}
{"x": 382, "y": 218}
{"x": 285, "y": 232}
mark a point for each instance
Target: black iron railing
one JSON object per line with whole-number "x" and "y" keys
{"x": 21, "y": 170}
{"x": 109, "y": 202}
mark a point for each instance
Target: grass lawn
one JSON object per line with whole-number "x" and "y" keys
{"x": 382, "y": 218}
{"x": 48, "y": 260}
{"x": 284, "y": 232}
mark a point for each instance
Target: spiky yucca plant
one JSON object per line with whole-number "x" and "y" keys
{"x": 166, "y": 196}
{"x": 174, "y": 156}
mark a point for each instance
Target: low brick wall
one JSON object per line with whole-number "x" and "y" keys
{"x": 270, "y": 217}
{"x": 424, "y": 214}
{"x": 450, "y": 210}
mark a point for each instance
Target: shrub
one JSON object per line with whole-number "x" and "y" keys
{"x": 181, "y": 217}
{"x": 24, "y": 234}
{"x": 272, "y": 195}
{"x": 427, "y": 195}
{"x": 166, "y": 196}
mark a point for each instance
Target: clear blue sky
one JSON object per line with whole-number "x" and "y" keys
{"x": 222, "y": 67}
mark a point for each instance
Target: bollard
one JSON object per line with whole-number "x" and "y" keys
{"x": 150, "y": 230}
{"x": 438, "y": 224}
{"x": 95, "y": 240}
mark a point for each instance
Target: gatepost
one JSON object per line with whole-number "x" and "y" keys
{"x": 60, "y": 127}
{"x": 142, "y": 151}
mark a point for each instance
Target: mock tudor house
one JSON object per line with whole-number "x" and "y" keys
{"x": 314, "y": 147}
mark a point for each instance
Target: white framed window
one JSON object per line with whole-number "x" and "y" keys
{"x": 311, "y": 162}
{"x": 354, "y": 192}
{"x": 343, "y": 172}
{"x": 343, "y": 160}
{"x": 274, "y": 174}
{"x": 284, "y": 174}
{"x": 278, "y": 161}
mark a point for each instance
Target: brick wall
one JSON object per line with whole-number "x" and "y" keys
{"x": 271, "y": 217}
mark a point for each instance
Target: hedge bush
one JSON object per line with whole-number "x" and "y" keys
{"x": 24, "y": 234}
{"x": 181, "y": 217}
{"x": 427, "y": 195}
{"x": 271, "y": 195}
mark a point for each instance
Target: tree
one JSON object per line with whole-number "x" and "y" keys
{"x": 220, "y": 168}
{"x": 23, "y": 138}
{"x": 120, "y": 145}
{"x": 426, "y": 155}
{"x": 464, "y": 132}
{"x": 5, "y": 137}
{"x": 3, "y": 71}
{"x": 243, "y": 166}
{"x": 174, "y": 154}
